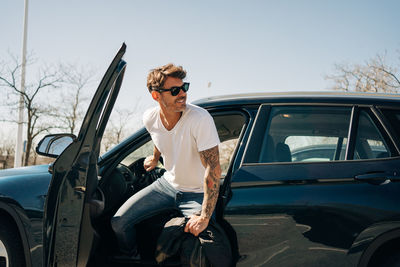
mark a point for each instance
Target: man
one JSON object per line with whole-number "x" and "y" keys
{"x": 186, "y": 137}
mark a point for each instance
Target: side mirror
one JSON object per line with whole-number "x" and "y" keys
{"x": 53, "y": 145}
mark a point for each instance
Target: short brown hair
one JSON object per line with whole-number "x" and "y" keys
{"x": 157, "y": 76}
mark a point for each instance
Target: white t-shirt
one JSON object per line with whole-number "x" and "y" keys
{"x": 194, "y": 132}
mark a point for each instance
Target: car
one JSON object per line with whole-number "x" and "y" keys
{"x": 321, "y": 152}
{"x": 275, "y": 209}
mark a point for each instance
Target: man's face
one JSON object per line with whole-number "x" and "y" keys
{"x": 173, "y": 103}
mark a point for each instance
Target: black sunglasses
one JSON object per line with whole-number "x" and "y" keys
{"x": 175, "y": 90}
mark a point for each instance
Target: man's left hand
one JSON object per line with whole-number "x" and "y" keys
{"x": 196, "y": 225}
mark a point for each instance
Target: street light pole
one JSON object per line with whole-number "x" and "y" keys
{"x": 18, "y": 145}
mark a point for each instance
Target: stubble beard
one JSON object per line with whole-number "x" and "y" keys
{"x": 182, "y": 105}
{"x": 176, "y": 105}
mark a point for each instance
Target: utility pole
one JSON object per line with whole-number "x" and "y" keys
{"x": 18, "y": 145}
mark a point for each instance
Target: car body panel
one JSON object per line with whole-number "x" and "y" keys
{"x": 25, "y": 205}
{"x": 323, "y": 214}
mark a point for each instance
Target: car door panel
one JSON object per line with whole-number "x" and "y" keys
{"x": 67, "y": 233}
{"x": 304, "y": 216}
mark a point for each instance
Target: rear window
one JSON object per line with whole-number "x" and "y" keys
{"x": 393, "y": 116}
{"x": 302, "y": 134}
{"x": 316, "y": 134}
{"x": 370, "y": 144}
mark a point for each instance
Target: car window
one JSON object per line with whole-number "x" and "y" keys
{"x": 226, "y": 150}
{"x": 305, "y": 134}
{"x": 393, "y": 116}
{"x": 143, "y": 151}
{"x": 229, "y": 127}
{"x": 316, "y": 148}
{"x": 369, "y": 142}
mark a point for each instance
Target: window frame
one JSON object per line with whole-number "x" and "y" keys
{"x": 386, "y": 125}
{"x": 259, "y": 126}
{"x": 369, "y": 111}
{"x": 238, "y": 151}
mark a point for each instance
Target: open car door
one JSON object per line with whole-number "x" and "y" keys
{"x": 68, "y": 233}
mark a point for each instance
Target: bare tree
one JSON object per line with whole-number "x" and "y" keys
{"x": 7, "y": 147}
{"x": 117, "y": 128}
{"x": 75, "y": 82}
{"x": 36, "y": 111}
{"x": 375, "y": 75}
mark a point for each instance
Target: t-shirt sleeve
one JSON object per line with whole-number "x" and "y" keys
{"x": 148, "y": 118}
{"x": 205, "y": 132}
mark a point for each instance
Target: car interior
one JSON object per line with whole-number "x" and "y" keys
{"x": 129, "y": 177}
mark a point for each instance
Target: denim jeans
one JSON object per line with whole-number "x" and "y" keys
{"x": 158, "y": 197}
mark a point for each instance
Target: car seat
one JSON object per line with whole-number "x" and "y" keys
{"x": 282, "y": 153}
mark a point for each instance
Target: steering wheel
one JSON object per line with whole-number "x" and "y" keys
{"x": 144, "y": 178}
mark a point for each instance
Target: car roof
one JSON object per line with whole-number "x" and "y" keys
{"x": 335, "y": 97}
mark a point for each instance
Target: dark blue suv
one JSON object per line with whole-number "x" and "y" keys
{"x": 309, "y": 179}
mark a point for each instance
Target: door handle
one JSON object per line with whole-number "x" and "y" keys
{"x": 80, "y": 189}
{"x": 376, "y": 178}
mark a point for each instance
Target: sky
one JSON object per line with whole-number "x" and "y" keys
{"x": 225, "y": 46}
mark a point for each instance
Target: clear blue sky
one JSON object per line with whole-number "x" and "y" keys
{"x": 238, "y": 46}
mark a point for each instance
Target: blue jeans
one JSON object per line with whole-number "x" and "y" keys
{"x": 158, "y": 197}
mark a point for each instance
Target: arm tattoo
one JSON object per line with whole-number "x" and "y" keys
{"x": 210, "y": 160}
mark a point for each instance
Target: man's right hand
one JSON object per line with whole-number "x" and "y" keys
{"x": 150, "y": 163}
